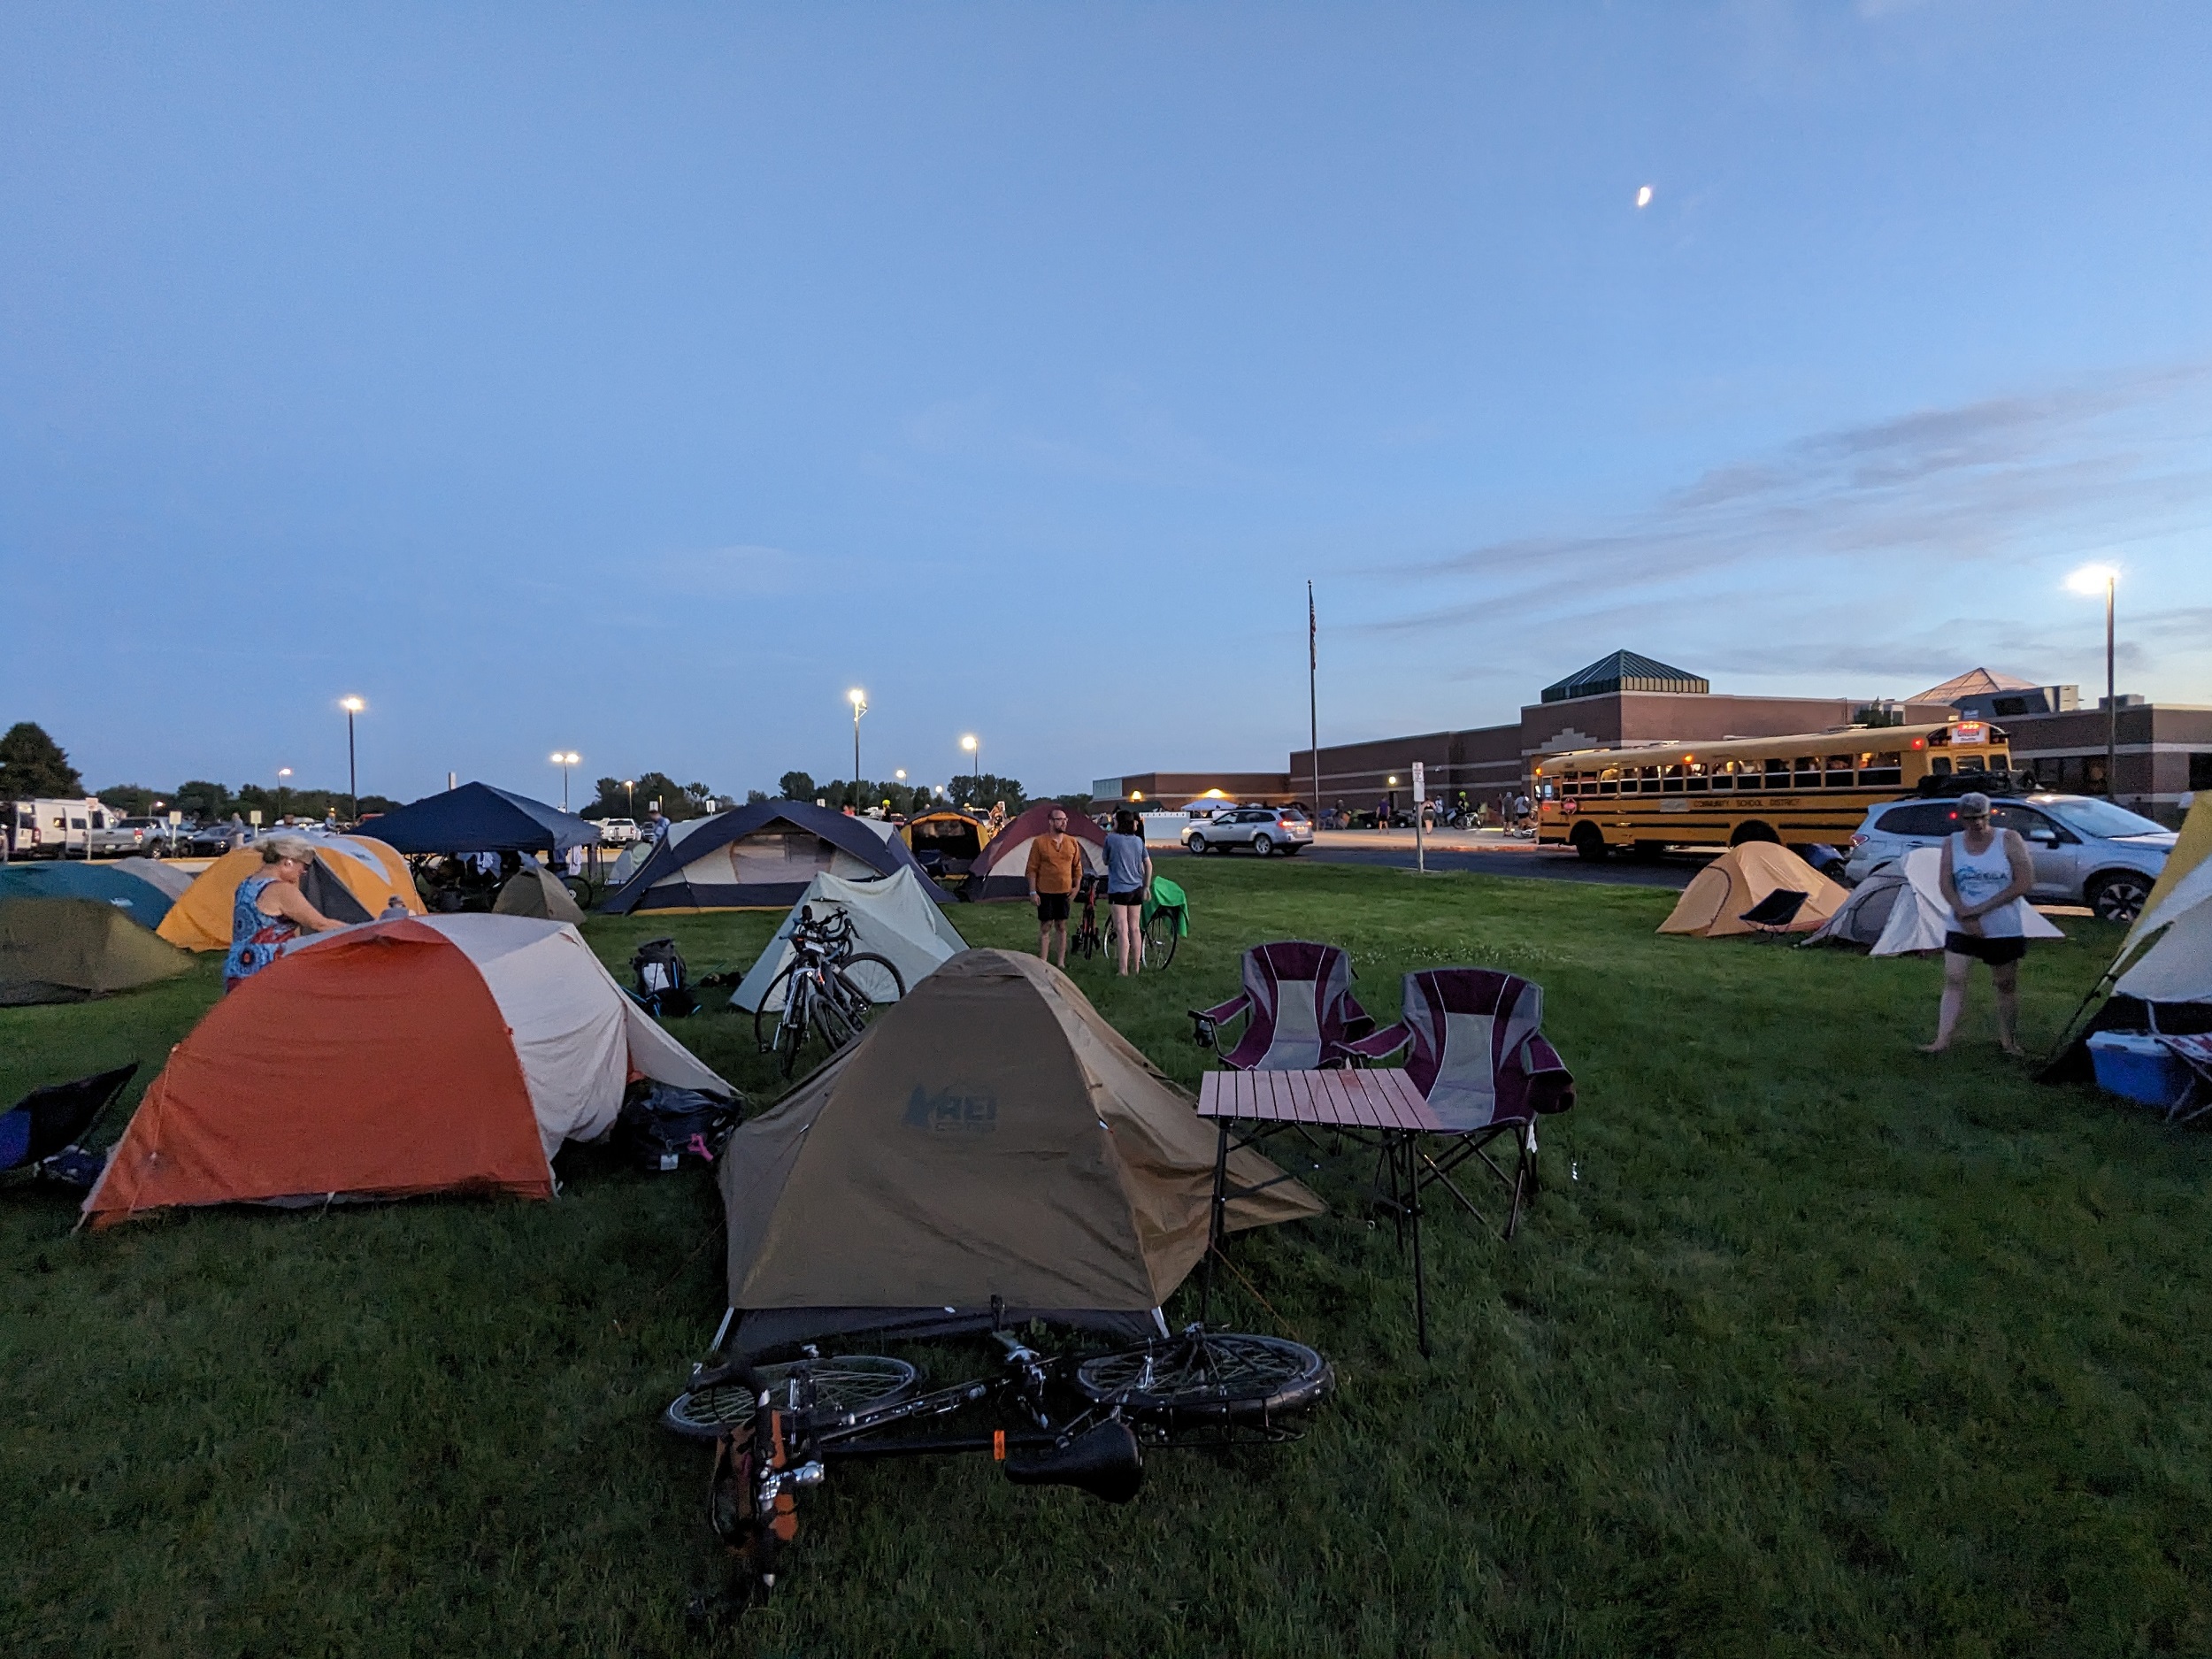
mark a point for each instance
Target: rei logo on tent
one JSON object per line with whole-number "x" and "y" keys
{"x": 949, "y": 1111}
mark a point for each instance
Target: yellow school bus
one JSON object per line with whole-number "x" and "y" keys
{"x": 1800, "y": 791}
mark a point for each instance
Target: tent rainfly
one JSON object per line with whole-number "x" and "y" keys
{"x": 989, "y": 1147}
{"x": 478, "y": 818}
{"x": 142, "y": 888}
{"x": 352, "y": 880}
{"x": 449, "y": 1052}
{"x": 892, "y": 916}
{"x": 1001, "y": 872}
{"x": 1712, "y": 906}
{"x": 67, "y": 950}
{"x": 758, "y": 858}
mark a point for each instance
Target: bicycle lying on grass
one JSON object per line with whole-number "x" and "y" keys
{"x": 1064, "y": 1420}
{"x": 826, "y": 992}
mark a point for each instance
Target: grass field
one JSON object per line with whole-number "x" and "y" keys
{"x": 1824, "y": 1348}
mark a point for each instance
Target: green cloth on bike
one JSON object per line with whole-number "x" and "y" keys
{"x": 1165, "y": 895}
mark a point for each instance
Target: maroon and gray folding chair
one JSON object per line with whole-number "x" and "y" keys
{"x": 1485, "y": 1069}
{"x": 1298, "y": 1009}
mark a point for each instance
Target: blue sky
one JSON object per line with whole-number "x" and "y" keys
{"x": 637, "y": 380}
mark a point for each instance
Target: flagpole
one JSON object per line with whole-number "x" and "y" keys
{"x": 1313, "y": 706}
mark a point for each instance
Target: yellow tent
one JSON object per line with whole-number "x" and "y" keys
{"x": 2178, "y": 968}
{"x": 352, "y": 880}
{"x": 1713, "y": 904}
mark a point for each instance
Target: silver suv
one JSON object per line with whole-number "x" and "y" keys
{"x": 2086, "y": 849}
{"x": 1266, "y": 830}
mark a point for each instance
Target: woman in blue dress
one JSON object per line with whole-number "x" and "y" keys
{"x": 269, "y": 910}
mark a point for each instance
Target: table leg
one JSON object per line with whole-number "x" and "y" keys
{"x": 1217, "y": 1217}
{"x": 1420, "y": 1277}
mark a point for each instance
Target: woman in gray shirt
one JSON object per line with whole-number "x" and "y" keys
{"x": 1128, "y": 878}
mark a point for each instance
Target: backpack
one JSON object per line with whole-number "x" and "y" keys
{"x": 662, "y": 984}
{"x": 661, "y": 1125}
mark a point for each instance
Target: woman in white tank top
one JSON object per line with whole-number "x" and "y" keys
{"x": 1987, "y": 875}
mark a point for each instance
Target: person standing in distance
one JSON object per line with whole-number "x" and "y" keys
{"x": 1128, "y": 878}
{"x": 1055, "y": 869}
{"x": 1987, "y": 875}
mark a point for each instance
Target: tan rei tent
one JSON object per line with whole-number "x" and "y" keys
{"x": 534, "y": 890}
{"x": 1712, "y": 906}
{"x": 65, "y": 950}
{"x": 991, "y": 1146}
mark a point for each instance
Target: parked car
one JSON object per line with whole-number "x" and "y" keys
{"x": 211, "y": 841}
{"x": 109, "y": 835}
{"x": 2086, "y": 849}
{"x": 614, "y": 832}
{"x": 152, "y": 834}
{"x": 1266, "y": 830}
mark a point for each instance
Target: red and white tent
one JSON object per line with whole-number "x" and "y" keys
{"x": 1001, "y": 872}
{"x": 425, "y": 1055}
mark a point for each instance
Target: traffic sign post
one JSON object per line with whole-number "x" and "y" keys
{"x": 1420, "y": 814}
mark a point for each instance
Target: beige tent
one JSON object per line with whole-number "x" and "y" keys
{"x": 534, "y": 890}
{"x": 1713, "y": 904}
{"x": 892, "y": 916}
{"x": 65, "y": 950}
{"x": 989, "y": 1139}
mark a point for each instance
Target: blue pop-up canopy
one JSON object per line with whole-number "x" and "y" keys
{"x": 478, "y": 818}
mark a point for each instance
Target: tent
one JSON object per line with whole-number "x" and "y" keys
{"x": 478, "y": 818}
{"x": 989, "y": 1143}
{"x": 893, "y": 916}
{"x": 534, "y": 890}
{"x": 2167, "y": 956}
{"x": 1860, "y": 919}
{"x": 1914, "y": 917}
{"x": 352, "y": 880}
{"x": 1712, "y": 907}
{"x": 757, "y": 857}
{"x": 67, "y": 949}
{"x": 406, "y": 1056}
{"x": 142, "y": 889}
{"x": 1003, "y": 872}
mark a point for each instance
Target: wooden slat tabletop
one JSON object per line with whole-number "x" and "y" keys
{"x": 1348, "y": 1098}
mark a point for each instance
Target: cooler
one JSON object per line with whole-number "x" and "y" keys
{"x": 2136, "y": 1066}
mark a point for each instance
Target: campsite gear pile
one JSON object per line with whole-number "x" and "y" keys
{"x": 1722, "y": 899}
{"x": 762, "y": 857}
{"x": 68, "y": 949}
{"x": 990, "y": 1151}
{"x": 660, "y": 1126}
{"x": 353, "y": 879}
{"x": 664, "y": 983}
{"x": 428, "y": 1055}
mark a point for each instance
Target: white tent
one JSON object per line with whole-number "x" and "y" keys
{"x": 1920, "y": 917}
{"x": 2177, "y": 965}
{"x": 893, "y": 916}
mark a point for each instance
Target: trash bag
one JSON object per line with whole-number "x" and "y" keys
{"x": 662, "y": 1126}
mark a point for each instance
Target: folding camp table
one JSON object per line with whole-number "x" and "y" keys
{"x": 1384, "y": 1105}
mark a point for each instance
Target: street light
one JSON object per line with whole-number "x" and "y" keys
{"x": 859, "y": 700}
{"x": 352, "y": 706}
{"x": 974, "y": 746}
{"x": 282, "y": 773}
{"x": 629, "y": 795}
{"x": 564, "y": 759}
{"x": 2086, "y": 581}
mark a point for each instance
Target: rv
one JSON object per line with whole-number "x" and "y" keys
{"x": 56, "y": 829}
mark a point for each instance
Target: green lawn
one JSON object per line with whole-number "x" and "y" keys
{"x": 1825, "y": 1347}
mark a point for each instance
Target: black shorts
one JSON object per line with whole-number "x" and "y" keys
{"x": 1135, "y": 896}
{"x": 1996, "y": 952}
{"x": 1052, "y": 907}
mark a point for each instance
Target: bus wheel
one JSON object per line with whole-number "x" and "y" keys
{"x": 1589, "y": 840}
{"x": 1752, "y": 830}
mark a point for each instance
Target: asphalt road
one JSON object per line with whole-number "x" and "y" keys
{"x": 1488, "y": 855}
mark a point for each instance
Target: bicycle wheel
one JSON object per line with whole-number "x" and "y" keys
{"x": 769, "y": 1015}
{"x": 1159, "y": 940}
{"x": 831, "y": 1389}
{"x": 873, "y": 978}
{"x": 1213, "y": 1377}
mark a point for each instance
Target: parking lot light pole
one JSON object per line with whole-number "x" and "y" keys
{"x": 974, "y": 746}
{"x": 282, "y": 773}
{"x": 352, "y": 706}
{"x": 564, "y": 759}
{"x": 2087, "y": 580}
{"x": 859, "y": 700}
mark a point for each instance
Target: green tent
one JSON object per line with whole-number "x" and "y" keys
{"x": 65, "y": 950}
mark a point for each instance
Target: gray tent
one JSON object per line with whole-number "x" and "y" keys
{"x": 990, "y": 1138}
{"x": 534, "y": 890}
{"x": 1860, "y": 919}
{"x": 65, "y": 950}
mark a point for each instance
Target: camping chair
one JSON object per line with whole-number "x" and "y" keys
{"x": 1484, "y": 1068}
{"x": 42, "y": 1130}
{"x": 1298, "y": 1006}
{"x": 1773, "y": 914}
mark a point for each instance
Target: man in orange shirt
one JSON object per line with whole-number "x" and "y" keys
{"x": 1055, "y": 869}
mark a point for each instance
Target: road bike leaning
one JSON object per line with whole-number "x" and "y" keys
{"x": 825, "y": 994}
{"x": 1070, "y": 1419}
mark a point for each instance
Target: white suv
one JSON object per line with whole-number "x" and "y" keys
{"x": 1266, "y": 830}
{"x": 614, "y": 832}
{"x": 2086, "y": 849}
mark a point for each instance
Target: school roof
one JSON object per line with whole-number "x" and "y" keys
{"x": 1975, "y": 682}
{"x": 481, "y": 817}
{"x": 701, "y": 872}
{"x": 1625, "y": 671}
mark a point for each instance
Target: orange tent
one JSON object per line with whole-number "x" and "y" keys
{"x": 402, "y": 1057}
{"x": 1713, "y": 904}
{"x": 351, "y": 880}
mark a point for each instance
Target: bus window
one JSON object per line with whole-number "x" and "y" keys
{"x": 1777, "y": 774}
{"x": 1882, "y": 770}
{"x": 1839, "y": 772}
{"x": 1723, "y": 775}
{"x": 1807, "y": 771}
{"x": 1695, "y": 779}
{"x": 1610, "y": 780}
{"x": 1940, "y": 766}
{"x": 1672, "y": 783}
